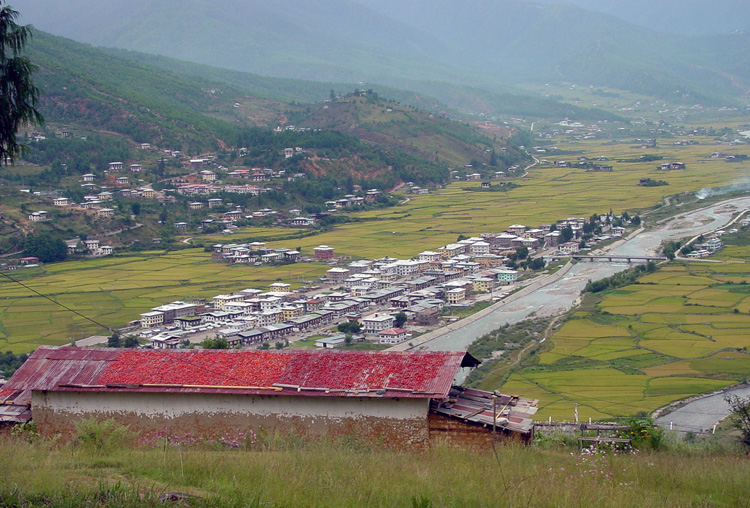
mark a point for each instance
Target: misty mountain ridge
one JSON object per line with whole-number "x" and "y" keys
{"x": 484, "y": 44}
{"x": 94, "y": 92}
{"x": 693, "y": 17}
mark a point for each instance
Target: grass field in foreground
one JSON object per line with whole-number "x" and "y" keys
{"x": 333, "y": 474}
{"x": 676, "y": 333}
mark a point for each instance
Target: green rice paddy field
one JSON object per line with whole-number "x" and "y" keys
{"x": 114, "y": 291}
{"x": 675, "y": 333}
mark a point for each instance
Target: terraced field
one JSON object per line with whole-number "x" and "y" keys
{"x": 677, "y": 332}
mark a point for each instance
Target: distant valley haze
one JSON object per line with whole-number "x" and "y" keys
{"x": 684, "y": 51}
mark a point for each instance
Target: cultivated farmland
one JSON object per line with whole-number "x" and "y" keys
{"x": 115, "y": 290}
{"x": 546, "y": 194}
{"x": 675, "y": 333}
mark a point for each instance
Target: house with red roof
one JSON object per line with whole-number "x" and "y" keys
{"x": 395, "y": 398}
{"x": 393, "y": 336}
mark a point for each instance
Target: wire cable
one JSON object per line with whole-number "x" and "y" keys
{"x": 58, "y": 303}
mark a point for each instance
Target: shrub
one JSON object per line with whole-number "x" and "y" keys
{"x": 215, "y": 343}
{"x": 644, "y": 434}
{"x": 101, "y": 435}
{"x": 555, "y": 440}
{"x": 26, "y": 431}
{"x": 740, "y": 408}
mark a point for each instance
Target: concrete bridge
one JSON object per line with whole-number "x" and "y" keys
{"x": 612, "y": 259}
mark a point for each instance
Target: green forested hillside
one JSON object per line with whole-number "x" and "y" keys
{"x": 92, "y": 89}
{"x": 100, "y": 106}
{"x": 83, "y": 86}
{"x": 414, "y": 131}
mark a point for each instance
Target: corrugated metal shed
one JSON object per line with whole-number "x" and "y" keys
{"x": 400, "y": 374}
{"x": 45, "y": 370}
{"x": 47, "y": 367}
{"x": 476, "y": 406}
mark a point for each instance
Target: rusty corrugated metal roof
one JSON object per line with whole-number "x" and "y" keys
{"x": 47, "y": 367}
{"x": 476, "y": 406}
{"x": 15, "y": 413}
{"x": 421, "y": 374}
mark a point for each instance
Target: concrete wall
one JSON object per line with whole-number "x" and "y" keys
{"x": 397, "y": 422}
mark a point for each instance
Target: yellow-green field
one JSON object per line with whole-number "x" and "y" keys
{"x": 545, "y": 195}
{"x": 115, "y": 290}
{"x": 267, "y": 234}
{"x": 676, "y": 333}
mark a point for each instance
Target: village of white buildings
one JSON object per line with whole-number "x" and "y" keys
{"x": 371, "y": 293}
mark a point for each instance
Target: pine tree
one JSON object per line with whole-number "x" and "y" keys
{"x": 18, "y": 95}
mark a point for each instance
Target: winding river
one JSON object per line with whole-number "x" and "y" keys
{"x": 561, "y": 295}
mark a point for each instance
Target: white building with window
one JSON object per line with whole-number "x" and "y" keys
{"x": 377, "y": 323}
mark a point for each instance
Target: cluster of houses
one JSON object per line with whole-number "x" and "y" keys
{"x": 350, "y": 200}
{"x": 96, "y": 203}
{"x": 467, "y": 174}
{"x": 290, "y": 218}
{"x": 97, "y": 200}
{"x": 546, "y": 236}
{"x": 253, "y": 253}
{"x": 24, "y": 262}
{"x": 252, "y": 317}
{"x": 670, "y": 166}
{"x": 572, "y": 129}
{"x": 200, "y": 183}
{"x": 701, "y": 250}
{"x": 419, "y": 287}
{"x": 91, "y": 247}
{"x": 75, "y": 246}
{"x": 206, "y": 181}
{"x": 594, "y": 165}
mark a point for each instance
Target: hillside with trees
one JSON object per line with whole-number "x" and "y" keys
{"x": 102, "y": 107}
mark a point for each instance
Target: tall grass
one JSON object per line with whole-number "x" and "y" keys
{"x": 346, "y": 474}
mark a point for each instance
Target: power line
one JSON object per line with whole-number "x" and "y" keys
{"x": 176, "y": 357}
{"x": 57, "y": 303}
{"x": 203, "y": 367}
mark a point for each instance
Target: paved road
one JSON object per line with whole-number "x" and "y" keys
{"x": 702, "y": 414}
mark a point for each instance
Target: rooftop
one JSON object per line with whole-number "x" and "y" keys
{"x": 422, "y": 374}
